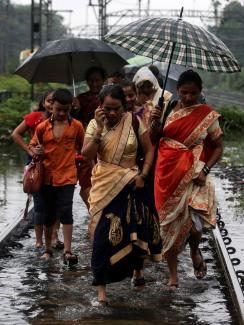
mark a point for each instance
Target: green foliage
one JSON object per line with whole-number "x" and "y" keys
{"x": 223, "y": 81}
{"x": 19, "y": 32}
{"x": 11, "y": 114}
{"x": 14, "y": 83}
{"x": 233, "y": 119}
{"x": 231, "y": 29}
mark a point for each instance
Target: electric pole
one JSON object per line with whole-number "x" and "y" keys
{"x": 4, "y": 17}
{"x": 102, "y": 16}
{"x": 36, "y": 23}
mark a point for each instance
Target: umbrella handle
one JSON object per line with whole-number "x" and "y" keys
{"x": 73, "y": 83}
{"x": 161, "y": 99}
{"x": 72, "y": 75}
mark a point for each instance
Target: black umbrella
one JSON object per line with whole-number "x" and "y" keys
{"x": 67, "y": 60}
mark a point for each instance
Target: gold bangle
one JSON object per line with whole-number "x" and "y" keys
{"x": 144, "y": 176}
{"x": 155, "y": 125}
{"x": 96, "y": 140}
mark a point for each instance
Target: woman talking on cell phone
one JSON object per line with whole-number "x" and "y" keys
{"x": 123, "y": 228}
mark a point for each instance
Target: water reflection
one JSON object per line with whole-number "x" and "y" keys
{"x": 12, "y": 198}
{"x": 33, "y": 292}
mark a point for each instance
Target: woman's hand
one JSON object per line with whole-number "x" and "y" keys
{"x": 30, "y": 152}
{"x": 139, "y": 181}
{"x": 155, "y": 113}
{"x": 200, "y": 180}
{"x": 37, "y": 150}
{"x": 100, "y": 117}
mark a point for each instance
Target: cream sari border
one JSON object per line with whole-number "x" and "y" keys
{"x": 129, "y": 175}
{"x": 204, "y": 125}
{"x": 123, "y": 139}
{"x": 182, "y": 112}
{"x": 178, "y": 195}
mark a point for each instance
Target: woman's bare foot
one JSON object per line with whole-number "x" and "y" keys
{"x": 199, "y": 265}
{"x": 39, "y": 245}
{"x": 172, "y": 284}
{"x": 101, "y": 294}
{"x": 138, "y": 280}
{"x": 47, "y": 255}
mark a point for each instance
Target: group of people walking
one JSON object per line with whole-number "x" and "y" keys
{"x": 143, "y": 172}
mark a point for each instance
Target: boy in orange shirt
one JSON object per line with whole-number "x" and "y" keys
{"x": 58, "y": 139}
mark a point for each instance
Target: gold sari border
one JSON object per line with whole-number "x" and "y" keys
{"x": 157, "y": 257}
{"x": 142, "y": 244}
{"x": 123, "y": 139}
{"x": 112, "y": 194}
{"x": 120, "y": 254}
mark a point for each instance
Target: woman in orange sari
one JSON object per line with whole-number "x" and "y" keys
{"x": 190, "y": 145}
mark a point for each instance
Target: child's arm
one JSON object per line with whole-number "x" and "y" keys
{"x": 18, "y": 134}
{"x": 34, "y": 144}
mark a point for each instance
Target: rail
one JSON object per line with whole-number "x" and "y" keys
{"x": 235, "y": 279}
{"x": 13, "y": 231}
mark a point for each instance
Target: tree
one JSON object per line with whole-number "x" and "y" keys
{"x": 17, "y": 37}
{"x": 231, "y": 29}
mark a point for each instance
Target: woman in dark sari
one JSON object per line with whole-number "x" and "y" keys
{"x": 123, "y": 227}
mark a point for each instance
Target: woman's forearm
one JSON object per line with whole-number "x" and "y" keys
{"x": 215, "y": 156}
{"x": 217, "y": 152}
{"x": 91, "y": 145}
{"x": 148, "y": 161}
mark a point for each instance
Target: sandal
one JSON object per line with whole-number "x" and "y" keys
{"x": 200, "y": 270}
{"x": 69, "y": 258}
{"x": 47, "y": 255}
{"x": 58, "y": 245}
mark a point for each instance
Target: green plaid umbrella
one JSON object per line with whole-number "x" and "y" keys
{"x": 176, "y": 41}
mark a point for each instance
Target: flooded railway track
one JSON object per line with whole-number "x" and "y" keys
{"x": 36, "y": 292}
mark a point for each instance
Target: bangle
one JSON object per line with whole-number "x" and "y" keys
{"x": 155, "y": 124}
{"x": 144, "y": 176}
{"x": 96, "y": 139}
{"x": 206, "y": 169}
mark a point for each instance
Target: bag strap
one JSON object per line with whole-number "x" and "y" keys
{"x": 39, "y": 136}
{"x": 136, "y": 125}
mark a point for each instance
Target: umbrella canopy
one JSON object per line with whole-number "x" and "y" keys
{"x": 67, "y": 60}
{"x": 188, "y": 44}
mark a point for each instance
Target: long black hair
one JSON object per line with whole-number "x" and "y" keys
{"x": 95, "y": 69}
{"x": 63, "y": 96}
{"x": 114, "y": 91}
{"x": 41, "y": 107}
{"x": 190, "y": 76}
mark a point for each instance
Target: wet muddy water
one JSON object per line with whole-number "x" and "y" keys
{"x": 35, "y": 292}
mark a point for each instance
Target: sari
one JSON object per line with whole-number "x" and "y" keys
{"x": 182, "y": 153}
{"x": 122, "y": 225}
